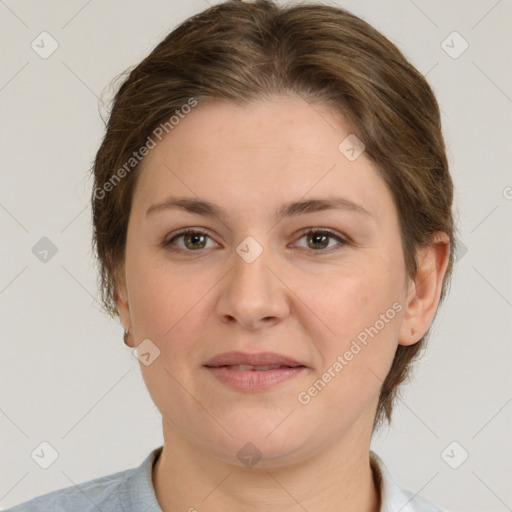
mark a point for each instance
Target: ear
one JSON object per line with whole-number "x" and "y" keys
{"x": 122, "y": 302}
{"x": 425, "y": 289}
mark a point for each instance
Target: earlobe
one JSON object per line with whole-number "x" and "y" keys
{"x": 425, "y": 289}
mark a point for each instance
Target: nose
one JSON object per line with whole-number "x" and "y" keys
{"x": 252, "y": 294}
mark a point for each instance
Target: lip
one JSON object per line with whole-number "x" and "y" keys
{"x": 252, "y": 380}
{"x": 255, "y": 359}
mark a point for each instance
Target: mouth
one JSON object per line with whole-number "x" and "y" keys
{"x": 253, "y": 372}
{"x": 260, "y": 360}
{"x": 250, "y": 367}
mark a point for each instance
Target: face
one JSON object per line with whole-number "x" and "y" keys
{"x": 323, "y": 286}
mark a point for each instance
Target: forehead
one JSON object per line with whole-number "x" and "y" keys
{"x": 270, "y": 151}
{"x": 283, "y": 124}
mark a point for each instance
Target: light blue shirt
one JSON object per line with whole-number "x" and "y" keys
{"x": 132, "y": 491}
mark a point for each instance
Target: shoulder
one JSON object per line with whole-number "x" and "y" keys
{"x": 121, "y": 491}
{"x": 392, "y": 496}
{"x": 101, "y": 492}
{"x": 418, "y": 504}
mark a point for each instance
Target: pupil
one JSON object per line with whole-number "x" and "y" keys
{"x": 194, "y": 239}
{"x": 316, "y": 237}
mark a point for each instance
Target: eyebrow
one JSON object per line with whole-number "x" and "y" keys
{"x": 209, "y": 209}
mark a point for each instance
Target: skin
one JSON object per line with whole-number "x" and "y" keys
{"x": 303, "y": 297}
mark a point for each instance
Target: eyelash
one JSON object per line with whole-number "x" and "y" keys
{"x": 167, "y": 244}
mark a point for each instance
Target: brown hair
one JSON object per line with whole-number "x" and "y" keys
{"x": 245, "y": 51}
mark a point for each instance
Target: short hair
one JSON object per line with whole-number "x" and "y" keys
{"x": 247, "y": 51}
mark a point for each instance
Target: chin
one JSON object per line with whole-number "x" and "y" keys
{"x": 260, "y": 440}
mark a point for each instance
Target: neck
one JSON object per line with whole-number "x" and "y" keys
{"x": 341, "y": 479}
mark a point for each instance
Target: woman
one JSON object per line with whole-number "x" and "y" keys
{"x": 272, "y": 219}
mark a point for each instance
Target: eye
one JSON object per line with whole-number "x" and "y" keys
{"x": 320, "y": 239}
{"x": 193, "y": 239}
{"x": 196, "y": 239}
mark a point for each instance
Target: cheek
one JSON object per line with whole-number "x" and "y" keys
{"x": 170, "y": 305}
{"x": 167, "y": 307}
{"x": 355, "y": 360}
{"x": 360, "y": 311}
{"x": 352, "y": 299}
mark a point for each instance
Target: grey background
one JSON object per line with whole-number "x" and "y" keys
{"x": 66, "y": 376}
